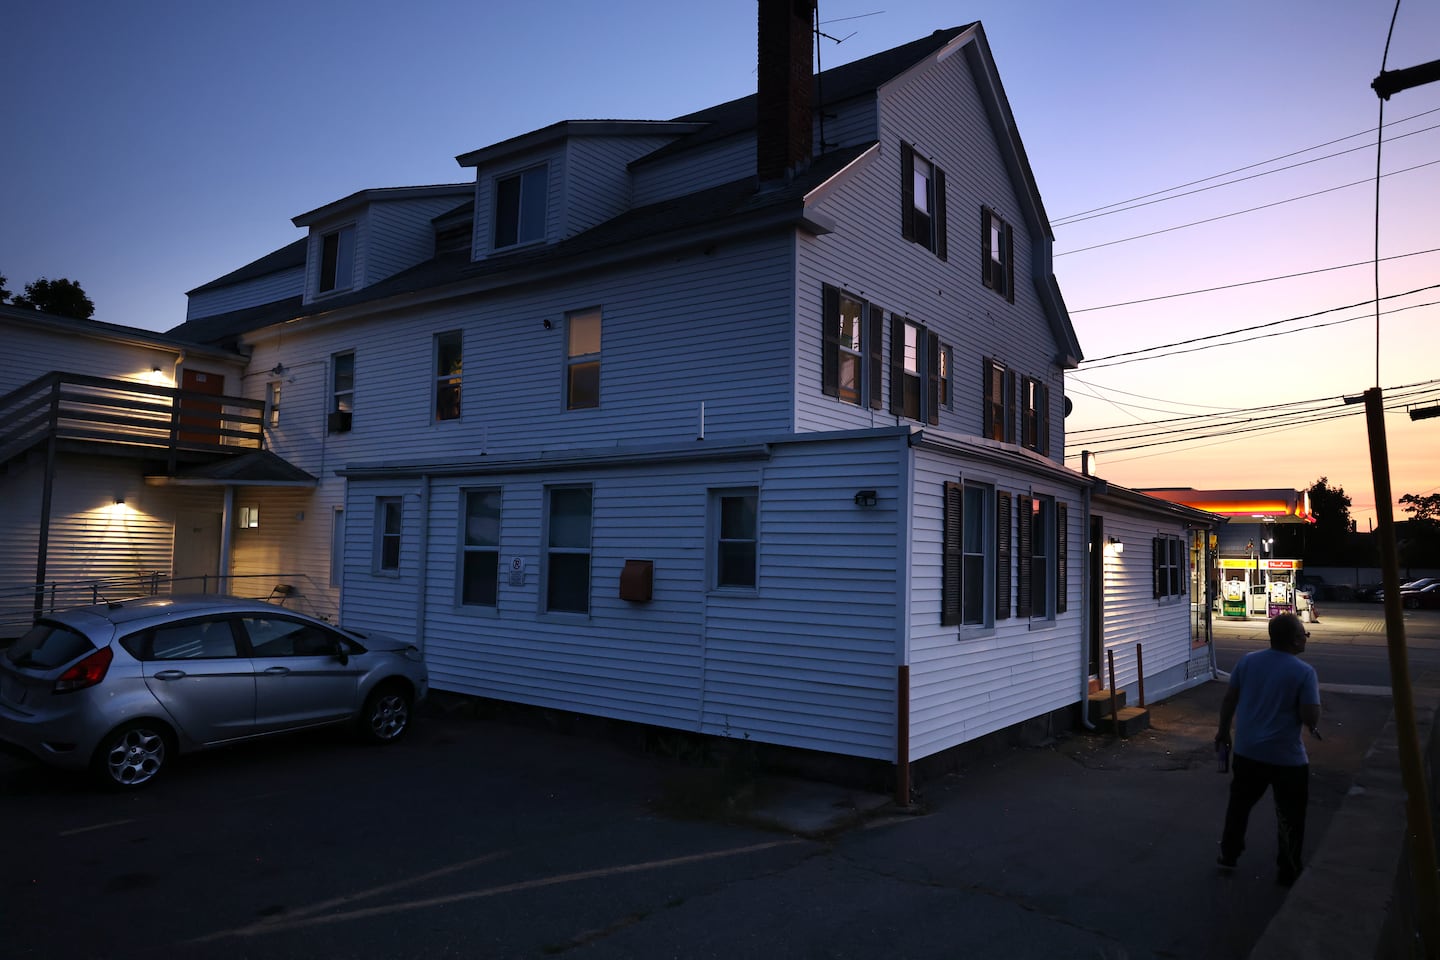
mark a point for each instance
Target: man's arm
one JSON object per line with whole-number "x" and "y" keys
{"x": 1310, "y": 715}
{"x": 1227, "y": 714}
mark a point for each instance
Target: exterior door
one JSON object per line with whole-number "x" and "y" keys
{"x": 195, "y": 670}
{"x": 199, "y": 417}
{"x": 195, "y": 562}
{"x": 1097, "y": 593}
{"x": 299, "y": 679}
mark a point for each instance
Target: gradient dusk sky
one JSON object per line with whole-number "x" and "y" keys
{"x": 154, "y": 146}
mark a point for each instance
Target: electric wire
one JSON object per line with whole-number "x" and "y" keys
{"x": 1251, "y": 166}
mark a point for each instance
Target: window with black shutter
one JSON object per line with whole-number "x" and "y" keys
{"x": 997, "y": 260}
{"x": 998, "y": 401}
{"x": 922, "y": 201}
{"x": 1024, "y": 520}
{"x": 1004, "y": 535}
{"x": 1062, "y": 556}
{"x": 953, "y": 559}
{"x": 852, "y": 348}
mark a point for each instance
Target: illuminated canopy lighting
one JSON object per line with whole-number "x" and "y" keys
{"x": 1265, "y": 506}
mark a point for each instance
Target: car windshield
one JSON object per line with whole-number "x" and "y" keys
{"x": 48, "y": 645}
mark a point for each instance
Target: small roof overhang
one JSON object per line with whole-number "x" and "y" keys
{"x": 258, "y": 468}
{"x": 1244, "y": 506}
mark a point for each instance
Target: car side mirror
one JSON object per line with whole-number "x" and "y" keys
{"x": 342, "y": 653}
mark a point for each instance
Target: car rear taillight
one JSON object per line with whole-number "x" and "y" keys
{"x": 86, "y": 673}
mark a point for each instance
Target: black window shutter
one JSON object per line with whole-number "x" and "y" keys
{"x": 932, "y": 380}
{"x": 907, "y": 191}
{"x": 1042, "y": 418}
{"x": 1003, "y": 539}
{"x": 1009, "y": 406}
{"x": 1024, "y": 516}
{"x": 985, "y": 247}
{"x": 830, "y": 349}
{"x": 1157, "y": 550}
{"x": 897, "y": 365}
{"x": 1009, "y": 264}
{"x": 952, "y": 554}
{"x": 1182, "y": 553}
{"x": 987, "y": 380}
{"x": 875, "y": 345}
{"x": 1062, "y": 544}
{"x": 939, "y": 213}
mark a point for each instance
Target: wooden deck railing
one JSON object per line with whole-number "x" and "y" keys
{"x": 99, "y": 410}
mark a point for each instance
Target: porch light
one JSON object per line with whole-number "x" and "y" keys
{"x": 866, "y": 498}
{"x": 249, "y": 517}
{"x": 1116, "y": 546}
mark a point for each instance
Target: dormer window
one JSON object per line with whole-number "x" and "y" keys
{"x": 520, "y": 207}
{"x": 337, "y": 259}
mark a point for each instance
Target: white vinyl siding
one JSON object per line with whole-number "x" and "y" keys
{"x": 1133, "y": 615}
{"x": 599, "y": 184}
{"x": 961, "y": 689}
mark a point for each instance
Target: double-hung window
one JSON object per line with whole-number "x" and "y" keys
{"x": 1035, "y": 415}
{"x": 922, "y": 201}
{"x": 1041, "y": 528}
{"x": 520, "y": 207}
{"x": 337, "y": 260}
{"x": 947, "y": 393}
{"x": 1169, "y": 566}
{"x": 448, "y": 356}
{"x": 914, "y": 371}
{"x": 970, "y": 548}
{"x": 567, "y": 551}
{"x": 997, "y": 260}
{"x": 389, "y": 526}
{"x": 735, "y": 519}
{"x": 582, "y": 360}
{"x": 480, "y": 549}
{"x": 342, "y": 392}
{"x": 272, "y": 403}
{"x": 852, "y": 363}
{"x": 999, "y": 401}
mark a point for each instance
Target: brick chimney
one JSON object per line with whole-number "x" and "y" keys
{"x": 783, "y": 121}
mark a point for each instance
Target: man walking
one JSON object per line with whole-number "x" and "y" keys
{"x": 1272, "y": 694}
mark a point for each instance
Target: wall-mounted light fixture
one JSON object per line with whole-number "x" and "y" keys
{"x": 866, "y": 498}
{"x": 1116, "y": 546}
{"x": 249, "y": 517}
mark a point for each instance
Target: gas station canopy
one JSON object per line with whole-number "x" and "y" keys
{"x": 1265, "y": 506}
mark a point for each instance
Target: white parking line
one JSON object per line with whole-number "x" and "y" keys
{"x": 300, "y": 919}
{"x": 98, "y": 826}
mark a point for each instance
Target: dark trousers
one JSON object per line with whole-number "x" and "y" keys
{"x": 1291, "y": 787}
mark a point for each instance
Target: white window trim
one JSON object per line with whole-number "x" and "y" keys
{"x": 546, "y": 550}
{"x": 377, "y": 565}
{"x": 712, "y": 540}
{"x": 463, "y": 549}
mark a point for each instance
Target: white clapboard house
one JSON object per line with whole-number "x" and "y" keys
{"x": 747, "y": 423}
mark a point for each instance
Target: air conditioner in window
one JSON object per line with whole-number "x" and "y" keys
{"x": 338, "y": 422}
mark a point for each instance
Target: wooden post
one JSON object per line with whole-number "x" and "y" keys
{"x": 1140, "y": 671}
{"x": 1114, "y": 699}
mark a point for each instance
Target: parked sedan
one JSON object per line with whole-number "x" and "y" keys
{"x": 1426, "y": 598}
{"x": 122, "y": 688}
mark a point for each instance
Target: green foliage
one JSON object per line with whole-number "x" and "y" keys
{"x": 1419, "y": 541}
{"x": 1326, "y": 542}
{"x": 62, "y": 297}
{"x": 4, "y": 294}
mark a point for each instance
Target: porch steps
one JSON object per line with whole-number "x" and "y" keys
{"x": 1132, "y": 719}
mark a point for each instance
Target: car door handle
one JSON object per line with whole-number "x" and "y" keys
{"x": 276, "y": 671}
{"x": 170, "y": 675}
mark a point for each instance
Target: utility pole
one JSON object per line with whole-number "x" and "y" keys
{"x": 1420, "y": 832}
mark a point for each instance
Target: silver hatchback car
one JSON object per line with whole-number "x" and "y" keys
{"x": 121, "y": 688}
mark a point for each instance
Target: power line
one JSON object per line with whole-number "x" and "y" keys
{"x": 1100, "y": 362}
{"x": 1237, "y": 213}
{"x": 1120, "y": 208}
{"x": 1247, "y": 283}
{"x": 1251, "y": 166}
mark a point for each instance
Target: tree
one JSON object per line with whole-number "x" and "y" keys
{"x": 61, "y": 297}
{"x": 1326, "y": 542}
{"x": 4, "y": 294}
{"x": 1421, "y": 538}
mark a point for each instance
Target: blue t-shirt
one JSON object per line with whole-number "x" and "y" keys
{"x": 1272, "y": 685}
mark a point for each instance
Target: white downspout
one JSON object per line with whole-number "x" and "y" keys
{"x": 1089, "y": 618}
{"x": 424, "y": 562}
{"x": 227, "y": 516}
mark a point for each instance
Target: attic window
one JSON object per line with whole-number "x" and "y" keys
{"x": 922, "y": 201}
{"x": 520, "y": 207}
{"x": 337, "y": 259}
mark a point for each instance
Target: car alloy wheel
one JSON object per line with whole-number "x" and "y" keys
{"x": 132, "y": 755}
{"x": 387, "y": 714}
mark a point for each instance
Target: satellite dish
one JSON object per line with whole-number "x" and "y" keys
{"x": 1068, "y": 406}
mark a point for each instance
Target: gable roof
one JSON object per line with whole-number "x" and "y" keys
{"x": 109, "y": 332}
{"x": 380, "y": 194}
{"x": 288, "y": 257}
